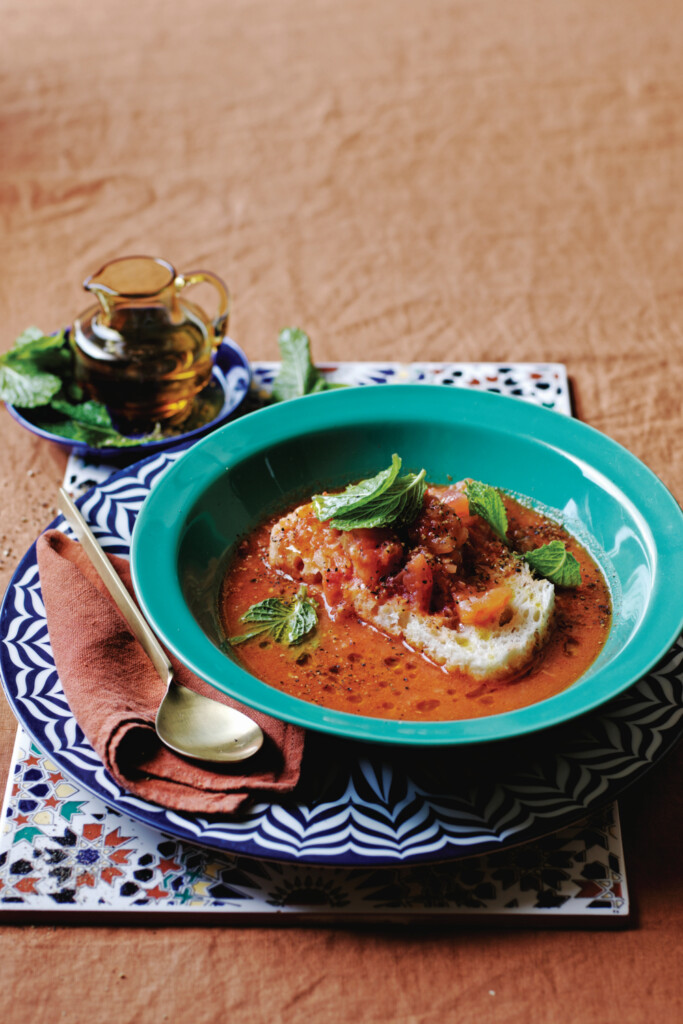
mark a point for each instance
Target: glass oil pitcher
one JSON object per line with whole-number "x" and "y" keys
{"x": 144, "y": 350}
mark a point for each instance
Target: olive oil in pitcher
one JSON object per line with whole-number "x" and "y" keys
{"x": 145, "y": 351}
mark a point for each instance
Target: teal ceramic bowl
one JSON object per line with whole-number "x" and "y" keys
{"x": 222, "y": 486}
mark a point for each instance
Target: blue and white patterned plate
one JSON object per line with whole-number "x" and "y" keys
{"x": 363, "y": 805}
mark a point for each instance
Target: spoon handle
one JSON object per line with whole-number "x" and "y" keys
{"x": 116, "y": 588}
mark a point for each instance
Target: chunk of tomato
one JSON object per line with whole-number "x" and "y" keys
{"x": 481, "y": 609}
{"x": 417, "y": 580}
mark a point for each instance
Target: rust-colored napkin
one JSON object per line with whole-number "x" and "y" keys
{"x": 114, "y": 691}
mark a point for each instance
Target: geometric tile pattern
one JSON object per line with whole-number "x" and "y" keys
{"x": 63, "y": 849}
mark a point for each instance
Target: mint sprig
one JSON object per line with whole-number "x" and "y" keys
{"x": 91, "y": 423}
{"x": 285, "y": 622}
{"x": 485, "y": 501}
{"x": 298, "y": 375}
{"x": 397, "y": 506}
{"x": 33, "y": 343}
{"x": 555, "y": 563}
{"x": 382, "y": 500}
{"x": 27, "y": 388}
{"x": 27, "y": 371}
{"x": 552, "y": 560}
{"x": 355, "y": 495}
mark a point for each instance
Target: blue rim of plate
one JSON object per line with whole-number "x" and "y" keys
{"x": 231, "y": 373}
{"x": 371, "y": 805}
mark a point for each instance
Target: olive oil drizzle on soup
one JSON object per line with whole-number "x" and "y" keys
{"x": 348, "y": 665}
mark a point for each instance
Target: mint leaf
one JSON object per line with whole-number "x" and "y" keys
{"x": 90, "y": 423}
{"x": 31, "y": 334}
{"x": 555, "y": 563}
{"x": 298, "y": 376}
{"x": 27, "y": 388}
{"x": 91, "y": 413}
{"x": 382, "y": 500}
{"x": 26, "y": 379}
{"x": 485, "y": 501}
{"x": 33, "y": 343}
{"x": 303, "y": 618}
{"x": 326, "y": 506}
{"x": 287, "y": 623}
{"x": 94, "y": 437}
{"x": 397, "y": 506}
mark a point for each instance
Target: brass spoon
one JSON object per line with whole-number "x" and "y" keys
{"x": 187, "y": 722}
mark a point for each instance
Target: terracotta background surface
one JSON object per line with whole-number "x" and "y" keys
{"x": 467, "y": 179}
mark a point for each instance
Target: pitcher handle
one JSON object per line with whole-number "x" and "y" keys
{"x": 220, "y": 321}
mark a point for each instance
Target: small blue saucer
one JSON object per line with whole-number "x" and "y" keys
{"x": 230, "y": 379}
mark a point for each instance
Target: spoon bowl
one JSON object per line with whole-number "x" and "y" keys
{"x": 186, "y": 722}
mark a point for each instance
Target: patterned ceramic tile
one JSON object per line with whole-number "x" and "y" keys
{"x": 62, "y": 848}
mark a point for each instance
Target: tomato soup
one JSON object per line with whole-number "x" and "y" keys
{"x": 350, "y": 665}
